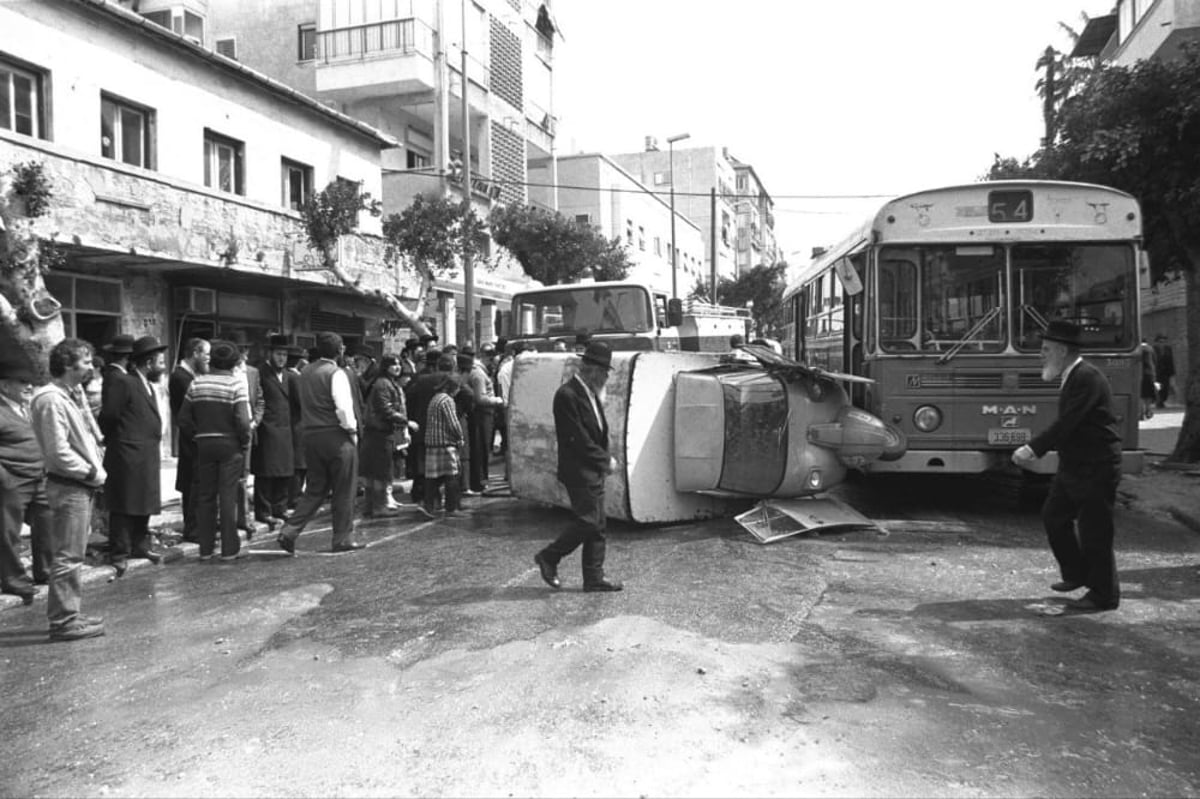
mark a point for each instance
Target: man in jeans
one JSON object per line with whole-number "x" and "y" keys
{"x": 69, "y": 437}
{"x": 22, "y": 485}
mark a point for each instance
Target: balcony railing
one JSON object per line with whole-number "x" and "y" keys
{"x": 397, "y": 36}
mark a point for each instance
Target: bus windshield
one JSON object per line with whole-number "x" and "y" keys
{"x": 583, "y": 309}
{"x": 1091, "y": 285}
{"x": 942, "y": 298}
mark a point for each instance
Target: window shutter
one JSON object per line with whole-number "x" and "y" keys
{"x": 227, "y": 48}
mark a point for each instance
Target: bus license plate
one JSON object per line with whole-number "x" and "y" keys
{"x": 1008, "y": 437}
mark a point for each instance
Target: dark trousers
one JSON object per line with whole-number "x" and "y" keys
{"x": 270, "y": 497}
{"x": 186, "y": 483}
{"x": 482, "y": 431}
{"x": 1078, "y": 517}
{"x": 414, "y": 462}
{"x": 433, "y": 486}
{"x": 218, "y": 468}
{"x": 586, "y": 529}
{"x": 295, "y": 487}
{"x": 1164, "y": 388}
{"x": 127, "y": 536}
{"x": 332, "y": 460}
{"x": 24, "y": 503}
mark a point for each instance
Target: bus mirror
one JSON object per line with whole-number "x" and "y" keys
{"x": 674, "y": 312}
{"x": 849, "y": 277}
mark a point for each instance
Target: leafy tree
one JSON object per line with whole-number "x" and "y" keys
{"x": 554, "y": 249}
{"x": 430, "y": 233}
{"x": 1138, "y": 129}
{"x": 764, "y": 285}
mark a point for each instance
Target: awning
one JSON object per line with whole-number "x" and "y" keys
{"x": 1095, "y": 36}
{"x": 546, "y": 24}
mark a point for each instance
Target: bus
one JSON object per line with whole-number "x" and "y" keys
{"x": 940, "y": 299}
{"x": 625, "y": 315}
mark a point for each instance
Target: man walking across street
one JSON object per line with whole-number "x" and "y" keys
{"x": 331, "y": 447}
{"x": 196, "y": 353}
{"x": 132, "y": 430}
{"x": 1078, "y": 513}
{"x": 70, "y": 439}
{"x": 22, "y": 478}
{"x": 583, "y": 466}
{"x": 480, "y": 422}
{"x": 271, "y": 460}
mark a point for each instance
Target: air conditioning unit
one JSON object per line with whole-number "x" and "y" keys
{"x": 196, "y": 301}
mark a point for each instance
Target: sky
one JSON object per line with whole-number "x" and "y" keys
{"x": 832, "y": 98}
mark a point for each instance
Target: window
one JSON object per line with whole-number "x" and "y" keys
{"x": 227, "y": 47}
{"x": 417, "y": 160}
{"x": 629, "y": 232}
{"x": 21, "y": 108}
{"x": 660, "y": 178}
{"x": 297, "y": 184}
{"x": 641, "y": 238}
{"x": 179, "y": 20}
{"x": 658, "y": 245}
{"x": 223, "y": 163}
{"x": 583, "y": 219}
{"x": 91, "y": 306}
{"x": 126, "y": 131}
{"x": 306, "y": 39}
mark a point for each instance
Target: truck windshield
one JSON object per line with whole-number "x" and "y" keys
{"x": 942, "y": 298}
{"x": 583, "y": 309}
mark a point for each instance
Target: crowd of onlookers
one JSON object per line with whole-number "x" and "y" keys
{"x": 309, "y": 426}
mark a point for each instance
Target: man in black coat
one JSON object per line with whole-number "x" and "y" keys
{"x": 583, "y": 465}
{"x": 272, "y": 460}
{"x": 1078, "y": 513}
{"x": 132, "y": 427}
{"x": 417, "y": 396}
{"x": 194, "y": 361}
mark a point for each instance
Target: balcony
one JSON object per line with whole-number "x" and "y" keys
{"x": 379, "y": 59}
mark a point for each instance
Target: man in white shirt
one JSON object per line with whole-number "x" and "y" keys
{"x": 330, "y": 447}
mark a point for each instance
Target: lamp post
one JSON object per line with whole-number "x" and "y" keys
{"x": 674, "y": 252}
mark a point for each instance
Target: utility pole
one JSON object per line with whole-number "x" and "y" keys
{"x": 468, "y": 245}
{"x": 712, "y": 210}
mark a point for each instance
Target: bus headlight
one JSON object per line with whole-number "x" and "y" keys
{"x": 927, "y": 418}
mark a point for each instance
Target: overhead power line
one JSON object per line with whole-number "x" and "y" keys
{"x": 705, "y": 194}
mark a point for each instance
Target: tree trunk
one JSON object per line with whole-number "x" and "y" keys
{"x": 1187, "y": 446}
{"x": 389, "y": 299}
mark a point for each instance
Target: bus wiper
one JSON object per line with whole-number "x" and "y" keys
{"x": 1035, "y": 315}
{"x": 970, "y": 334}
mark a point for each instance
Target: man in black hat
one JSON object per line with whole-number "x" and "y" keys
{"x": 116, "y": 356}
{"x": 1078, "y": 513}
{"x": 22, "y": 477}
{"x": 1164, "y": 362}
{"x": 583, "y": 466}
{"x": 417, "y": 396}
{"x": 194, "y": 361}
{"x": 271, "y": 460}
{"x": 132, "y": 427}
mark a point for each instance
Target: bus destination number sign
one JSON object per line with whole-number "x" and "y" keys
{"x": 1010, "y": 205}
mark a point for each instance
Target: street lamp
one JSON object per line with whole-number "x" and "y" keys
{"x": 674, "y": 252}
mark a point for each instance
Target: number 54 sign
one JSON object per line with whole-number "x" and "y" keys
{"x": 1010, "y": 205}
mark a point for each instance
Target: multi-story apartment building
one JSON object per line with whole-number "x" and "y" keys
{"x": 697, "y": 171}
{"x": 399, "y": 66}
{"x": 175, "y": 176}
{"x": 595, "y": 190}
{"x": 756, "y": 244}
{"x": 1137, "y": 30}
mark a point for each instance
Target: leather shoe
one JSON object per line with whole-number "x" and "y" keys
{"x": 603, "y": 585}
{"x": 150, "y": 555}
{"x": 350, "y": 547}
{"x": 1090, "y": 603}
{"x": 77, "y": 629}
{"x": 1065, "y": 586}
{"x": 549, "y": 571}
{"x": 286, "y": 544}
{"x": 120, "y": 568}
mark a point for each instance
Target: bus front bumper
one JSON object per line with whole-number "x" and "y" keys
{"x": 945, "y": 461}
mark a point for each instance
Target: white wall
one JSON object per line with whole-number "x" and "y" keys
{"x": 187, "y": 94}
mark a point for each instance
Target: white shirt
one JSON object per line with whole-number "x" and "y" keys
{"x": 343, "y": 402}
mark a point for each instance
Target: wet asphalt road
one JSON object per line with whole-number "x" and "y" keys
{"x": 919, "y": 661}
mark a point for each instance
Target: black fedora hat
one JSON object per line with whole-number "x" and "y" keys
{"x": 147, "y": 345}
{"x": 598, "y": 353}
{"x": 15, "y": 364}
{"x": 278, "y": 342}
{"x": 1063, "y": 332}
{"x": 122, "y": 344}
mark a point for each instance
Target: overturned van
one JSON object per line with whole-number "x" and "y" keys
{"x": 698, "y": 435}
